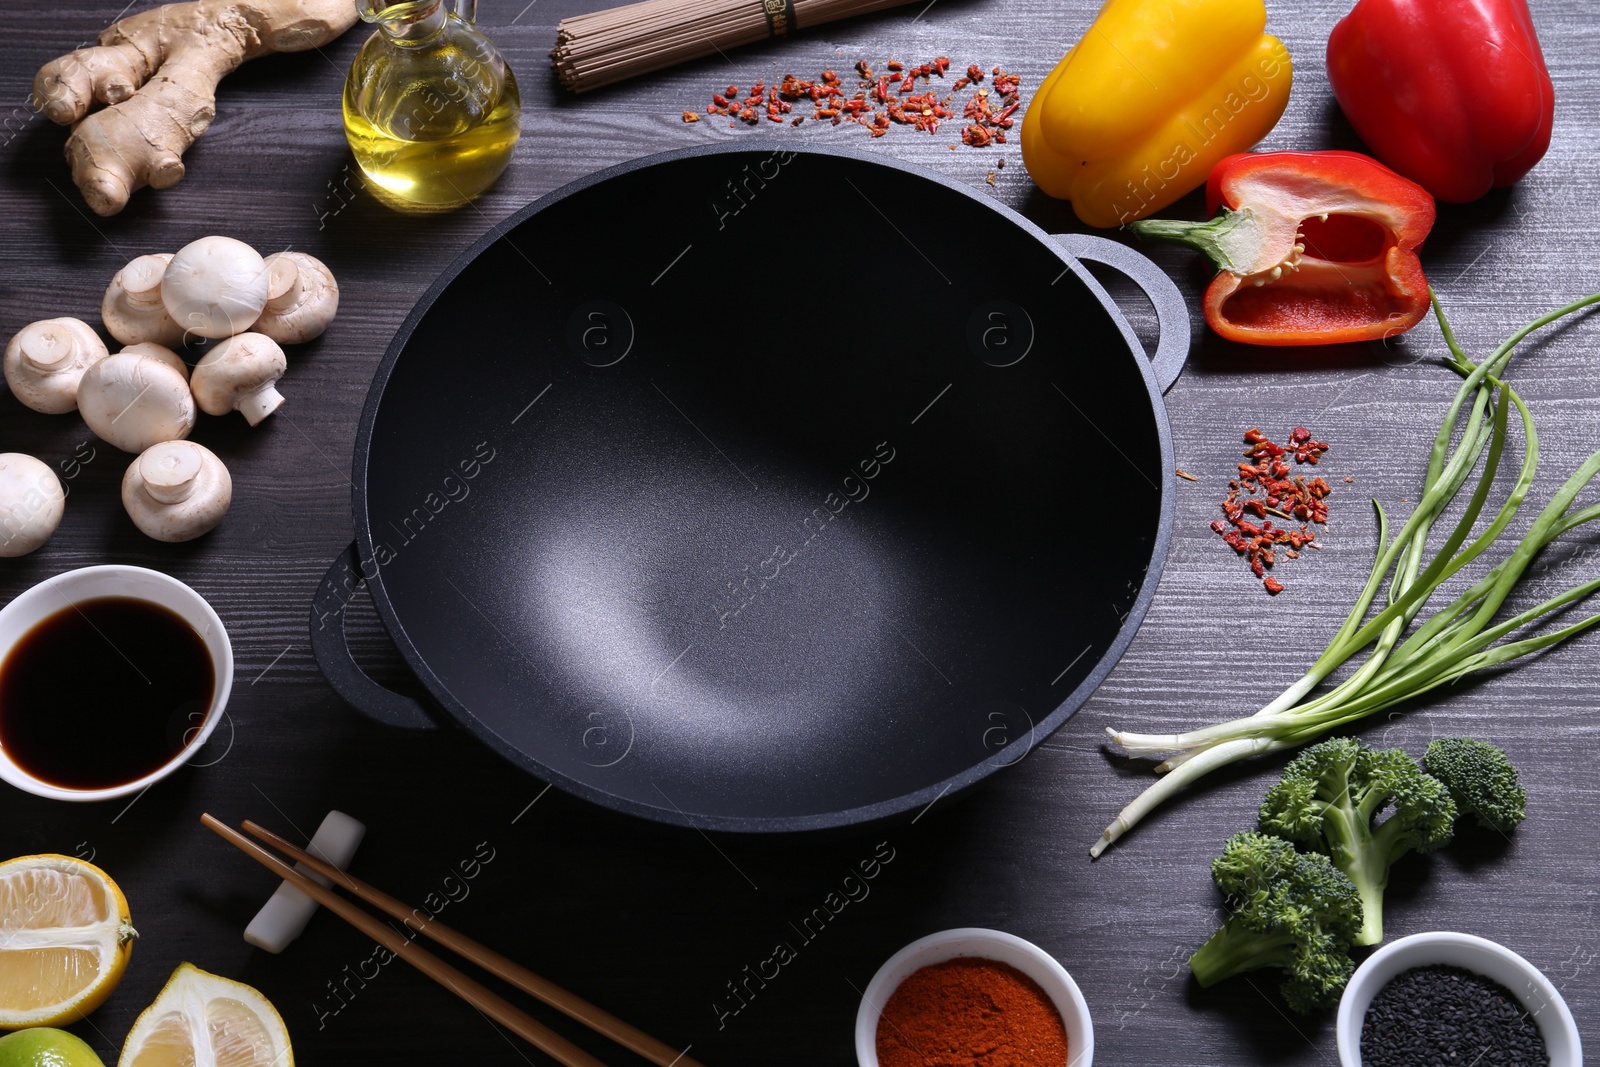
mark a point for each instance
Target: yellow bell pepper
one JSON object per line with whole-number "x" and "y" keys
{"x": 1156, "y": 93}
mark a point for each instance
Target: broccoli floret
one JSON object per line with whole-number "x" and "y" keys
{"x": 1330, "y": 796}
{"x": 1480, "y": 779}
{"x": 1287, "y": 909}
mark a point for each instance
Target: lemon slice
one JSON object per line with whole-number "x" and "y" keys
{"x": 65, "y": 938}
{"x": 200, "y": 1018}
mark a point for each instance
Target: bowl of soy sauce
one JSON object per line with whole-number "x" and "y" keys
{"x": 111, "y": 678}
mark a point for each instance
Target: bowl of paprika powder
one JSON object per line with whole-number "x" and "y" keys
{"x": 981, "y": 998}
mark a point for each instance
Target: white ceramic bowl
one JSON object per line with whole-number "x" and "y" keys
{"x": 1525, "y": 981}
{"x": 1025, "y": 956}
{"x": 88, "y": 583}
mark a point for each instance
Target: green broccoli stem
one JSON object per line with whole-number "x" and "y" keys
{"x": 1234, "y": 949}
{"x": 1354, "y": 850}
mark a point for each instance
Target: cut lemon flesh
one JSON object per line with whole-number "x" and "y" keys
{"x": 202, "y": 1020}
{"x": 65, "y": 938}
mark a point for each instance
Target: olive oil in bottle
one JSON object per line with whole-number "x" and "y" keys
{"x": 431, "y": 110}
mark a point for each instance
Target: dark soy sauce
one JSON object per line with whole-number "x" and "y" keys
{"x": 103, "y": 693}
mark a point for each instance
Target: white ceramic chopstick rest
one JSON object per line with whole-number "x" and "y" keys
{"x": 283, "y": 918}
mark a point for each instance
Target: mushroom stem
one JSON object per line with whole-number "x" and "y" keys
{"x": 46, "y": 345}
{"x": 169, "y": 473}
{"x": 258, "y": 405}
{"x": 287, "y": 285}
{"x": 141, "y": 281}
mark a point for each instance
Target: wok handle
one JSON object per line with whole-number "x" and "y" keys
{"x": 1172, "y": 314}
{"x": 331, "y": 649}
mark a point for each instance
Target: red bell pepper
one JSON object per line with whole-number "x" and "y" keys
{"x": 1453, "y": 94}
{"x": 1313, "y": 248}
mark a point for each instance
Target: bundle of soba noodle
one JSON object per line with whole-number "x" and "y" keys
{"x": 621, "y": 42}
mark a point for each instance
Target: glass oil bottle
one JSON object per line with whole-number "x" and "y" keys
{"x": 431, "y": 110}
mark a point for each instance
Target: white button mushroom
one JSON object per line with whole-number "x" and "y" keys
{"x": 132, "y": 309}
{"x": 134, "y": 401}
{"x": 161, "y": 352}
{"x": 31, "y": 502}
{"x": 302, "y": 298}
{"x": 176, "y": 491}
{"x": 215, "y": 287}
{"x": 240, "y": 374}
{"x": 45, "y": 360}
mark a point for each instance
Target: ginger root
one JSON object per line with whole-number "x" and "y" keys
{"x": 158, "y": 72}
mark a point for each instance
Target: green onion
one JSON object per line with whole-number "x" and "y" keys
{"x": 1455, "y": 640}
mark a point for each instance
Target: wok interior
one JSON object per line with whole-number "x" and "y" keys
{"x": 737, "y": 512}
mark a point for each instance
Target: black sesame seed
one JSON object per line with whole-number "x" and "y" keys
{"x": 1442, "y": 1016}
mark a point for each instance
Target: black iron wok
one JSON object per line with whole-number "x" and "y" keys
{"x": 761, "y": 490}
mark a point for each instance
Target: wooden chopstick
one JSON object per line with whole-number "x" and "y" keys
{"x": 597, "y": 1019}
{"x": 495, "y": 1007}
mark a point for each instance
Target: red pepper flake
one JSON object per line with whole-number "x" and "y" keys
{"x": 885, "y": 100}
{"x": 1266, "y": 488}
{"x": 691, "y": 116}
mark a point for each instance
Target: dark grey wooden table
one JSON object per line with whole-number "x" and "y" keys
{"x": 657, "y": 924}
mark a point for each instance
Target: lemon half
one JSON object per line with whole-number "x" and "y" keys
{"x": 202, "y": 1018}
{"x": 65, "y": 938}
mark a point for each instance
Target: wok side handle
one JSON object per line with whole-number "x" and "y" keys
{"x": 1172, "y": 314}
{"x": 331, "y": 649}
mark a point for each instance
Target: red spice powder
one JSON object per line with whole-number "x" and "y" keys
{"x": 969, "y": 1012}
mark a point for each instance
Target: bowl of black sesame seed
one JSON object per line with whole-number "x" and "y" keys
{"x": 1449, "y": 998}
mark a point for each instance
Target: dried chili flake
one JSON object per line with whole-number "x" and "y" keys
{"x": 886, "y": 99}
{"x": 691, "y": 116}
{"x": 1266, "y": 488}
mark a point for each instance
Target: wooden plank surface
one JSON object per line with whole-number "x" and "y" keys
{"x": 655, "y": 924}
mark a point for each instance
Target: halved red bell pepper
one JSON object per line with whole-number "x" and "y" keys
{"x": 1453, "y": 95}
{"x": 1313, "y": 248}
